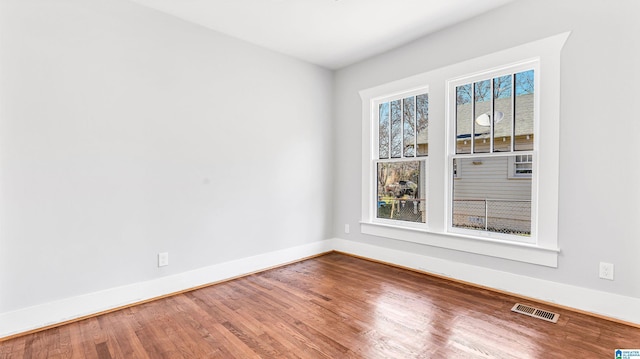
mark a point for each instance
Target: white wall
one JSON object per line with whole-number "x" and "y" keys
{"x": 125, "y": 132}
{"x": 599, "y": 195}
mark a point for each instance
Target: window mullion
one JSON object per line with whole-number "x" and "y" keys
{"x": 472, "y": 136}
{"x": 389, "y": 144}
{"x": 402, "y": 148}
{"x": 513, "y": 112}
{"x": 415, "y": 126}
{"x": 491, "y": 116}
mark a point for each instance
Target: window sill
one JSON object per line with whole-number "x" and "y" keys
{"x": 521, "y": 252}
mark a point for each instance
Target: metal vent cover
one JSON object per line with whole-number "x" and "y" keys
{"x": 535, "y": 312}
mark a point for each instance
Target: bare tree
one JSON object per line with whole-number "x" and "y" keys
{"x": 409, "y": 126}
{"x": 383, "y": 130}
{"x": 383, "y": 176}
{"x": 502, "y": 87}
{"x": 463, "y": 94}
{"x": 396, "y": 128}
{"x": 481, "y": 91}
{"x": 423, "y": 111}
{"x": 524, "y": 83}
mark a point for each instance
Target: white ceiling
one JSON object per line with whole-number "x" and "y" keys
{"x": 330, "y": 33}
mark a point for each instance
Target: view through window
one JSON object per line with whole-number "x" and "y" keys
{"x": 400, "y": 164}
{"x": 493, "y": 162}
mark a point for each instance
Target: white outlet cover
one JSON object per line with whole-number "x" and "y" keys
{"x": 606, "y": 270}
{"x": 163, "y": 259}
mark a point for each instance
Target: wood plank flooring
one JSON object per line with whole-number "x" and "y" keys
{"x": 333, "y": 306}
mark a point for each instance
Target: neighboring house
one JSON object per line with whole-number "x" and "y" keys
{"x": 523, "y": 132}
{"x": 487, "y": 195}
{"x": 494, "y": 192}
{"x": 503, "y": 129}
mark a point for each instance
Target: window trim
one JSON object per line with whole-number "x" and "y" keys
{"x": 545, "y": 251}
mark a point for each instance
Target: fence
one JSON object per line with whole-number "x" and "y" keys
{"x": 402, "y": 209}
{"x": 494, "y": 215}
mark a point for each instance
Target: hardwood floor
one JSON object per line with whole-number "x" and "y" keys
{"x": 333, "y": 306}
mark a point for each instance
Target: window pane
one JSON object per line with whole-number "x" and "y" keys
{"x": 422, "y": 107}
{"x": 409, "y": 126}
{"x": 502, "y": 105}
{"x": 524, "y": 84}
{"x": 524, "y": 169}
{"x": 463, "y": 119}
{"x": 486, "y": 199}
{"x": 523, "y": 166}
{"x": 396, "y": 129}
{"x": 399, "y": 191}
{"x": 383, "y": 130}
{"x": 482, "y": 92}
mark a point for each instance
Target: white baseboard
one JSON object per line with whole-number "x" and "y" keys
{"x": 47, "y": 314}
{"x": 589, "y": 300}
{"x": 593, "y": 301}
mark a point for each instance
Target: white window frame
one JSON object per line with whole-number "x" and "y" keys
{"x": 375, "y": 159}
{"x": 546, "y": 247}
{"x": 532, "y": 64}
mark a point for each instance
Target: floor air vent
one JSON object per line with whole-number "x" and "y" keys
{"x": 535, "y": 312}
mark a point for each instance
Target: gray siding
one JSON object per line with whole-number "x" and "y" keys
{"x": 488, "y": 178}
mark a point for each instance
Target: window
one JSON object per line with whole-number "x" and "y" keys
{"x": 400, "y": 162}
{"x": 464, "y": 171}
{"x": 520, "y": 166}
{"x": 494, "y": 119}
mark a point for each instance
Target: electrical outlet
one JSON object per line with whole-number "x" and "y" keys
{"x": 163, "y": 259}
{"x": 606, "y": 270}
{"x": 346, "y": 228}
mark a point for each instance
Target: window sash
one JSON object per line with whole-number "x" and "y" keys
{"x": 477, "y": 213}
{"x": 474, "y": 152}
{"x": 411, "y": 118}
